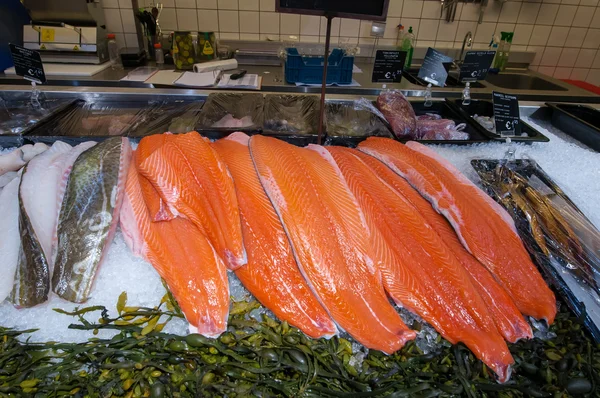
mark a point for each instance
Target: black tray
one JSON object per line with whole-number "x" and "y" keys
{"x": 579, "y": 121}
{"x": 374, "y": 126}
{"x": 218, "y": 105}
{"x": 279, "y": 108}
{"x": 486, "y": 108}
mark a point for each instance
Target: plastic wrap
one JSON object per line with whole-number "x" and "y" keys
{"x": 556, "y": 233}
{"x": 229, "y": 112}
{"x": 291, "y": 114}
{"x": 432, "y": 127}
{"x": 17, "y": 116}
{"x": 398, "y": 112}
{"x": 359, "y": 119}
{"x": 178, "y": 118}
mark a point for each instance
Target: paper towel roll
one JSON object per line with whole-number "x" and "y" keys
{"x": 225, "y": 64}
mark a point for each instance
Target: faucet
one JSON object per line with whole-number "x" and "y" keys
{"x": 468, "y": 40}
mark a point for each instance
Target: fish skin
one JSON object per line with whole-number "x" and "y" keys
{"x": 509, "y": 321}
{"x": 441, "y": 290}
{"x": 194, "y": 181}
{"x": 271, "y": 275}
{"x": 10, "y": 239}
{"x": 89, "y": 216}
{"x": 329, "y": 242}
{"x": 483, "y": 229}
{"x": 201, "y": 287}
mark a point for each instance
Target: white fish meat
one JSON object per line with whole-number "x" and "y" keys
{"x": 9, "y": 235}
{"x": 7, "y": 177}
{"x": 31, "y": 151}
{"x": 11, "y": 161}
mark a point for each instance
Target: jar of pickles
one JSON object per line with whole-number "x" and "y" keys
{"x": 184, "y": 53}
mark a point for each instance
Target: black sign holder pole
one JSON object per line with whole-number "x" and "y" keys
{"x": 324, "y": 81}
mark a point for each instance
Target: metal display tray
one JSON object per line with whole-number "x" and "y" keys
{"x": 579, "y": 121}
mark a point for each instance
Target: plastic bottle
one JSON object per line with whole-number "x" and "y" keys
{"x": 466, "y": 94}
{"x": 159, "y": 55}
{"x": 428, "y": 96}
{"x": 408, "y": 45}
{"x": 113, "y": 52}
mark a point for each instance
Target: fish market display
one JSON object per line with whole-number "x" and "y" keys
{"x": 484, "y": 228}
{"x": 406, "y": 243}
{"x": 194, "y": 182}
{"x": 271, "y": 275}
{"x": 19, "y": 157}
{"x": 329, "y": 237}
{"x": 88, "y": 216}
{"x": 10, "y": 238}
{"x": 183, "y": 257}
{"x": 433, "y": 127}
{"x": 398, "y": 112}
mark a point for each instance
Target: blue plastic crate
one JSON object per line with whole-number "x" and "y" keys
{"x": 309, "y": 70}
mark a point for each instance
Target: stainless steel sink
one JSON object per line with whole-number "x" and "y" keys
{"x": 517, "y": 81}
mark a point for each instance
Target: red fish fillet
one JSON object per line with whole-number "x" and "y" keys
{"x": 271, "y": 274}
{"x": 483, "y": 228}
{"x": 183, "y": 257}
{"x": 159, "y": 211}
{"x": 329, "y": 238}
{"x": 509, "y": 321}
{"x": 419, "y": 270}
{"x": 194, "y": 181}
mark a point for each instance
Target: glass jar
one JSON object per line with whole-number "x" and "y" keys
{"x": 184, "y": 54}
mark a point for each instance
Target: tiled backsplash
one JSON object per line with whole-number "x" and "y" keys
{"x": 564, "y": 34}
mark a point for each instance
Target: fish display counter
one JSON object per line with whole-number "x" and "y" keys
{"x": 255, "y": 264}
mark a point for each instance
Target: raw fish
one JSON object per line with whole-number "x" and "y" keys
{"x": 329, "y": 238}
{"x": 271, "y": 275}
{"x": 398, "y": 112}
{"x": 88, "y": 216}
{"x": 7, "y": 177}
{"x": 31, "y": 151}
{"x": 193, "y": 180}
{"x": 10, "y": 240}
{"x": 183, "y": 257}
{"x": 11, "y": 161}
{"x": 484, "y": 228}
{"x": 419, "y": 271}
{"x": 228, "y": 121}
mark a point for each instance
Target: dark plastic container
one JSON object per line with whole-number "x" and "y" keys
{"x": 220, "y": 106}
{"x": 309, "y": 70}
{"x": 288, "y": 114}
{"x": 579, "y": 121}
{"x": 486, "y": 108}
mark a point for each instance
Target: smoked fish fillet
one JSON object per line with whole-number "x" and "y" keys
{"x": 419, "y": 270}
{"x": 484, "y": 229}
{"x": 509, "y": 321}
{"x": 183, "y": 257}
{"x": 329, "y": 239}
{"x": 194, "y": 181}
{"x": 159, "y": 211}
{"x": 271, "y": 275}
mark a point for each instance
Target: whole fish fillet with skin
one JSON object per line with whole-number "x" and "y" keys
{"x": 480, "y": 225}
{"x": 194, "y": 181}
{"x": 89, "y": 215}
{"x": 10, "y": 239}
{"x": 509, "y": 321}
{"x": 200, "y": 287}
{"x": 440, "y": 290}
{"x": 271, "y": 275}
{"x": 329, "y": 239}
{"x": 159, "y": 210}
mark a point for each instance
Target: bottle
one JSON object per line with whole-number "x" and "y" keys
{"x": 408, "y": 45}
{"x": 466, "y": 94}
{"x": 113, "y": 52}
{"x": 494, "y": 47}
{"x": 400, "y": 36}
{"x": 159, "y": 55}
{"x": 428, "y": 96}
{"x": 507, "y": 38}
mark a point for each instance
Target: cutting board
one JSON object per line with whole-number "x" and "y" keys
{"x": 68, "y": 69}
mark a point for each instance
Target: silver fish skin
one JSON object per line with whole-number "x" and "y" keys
{"x": 89, "y": 216}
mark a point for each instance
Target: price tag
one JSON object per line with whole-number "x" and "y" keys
{"x": 388, "y": 66}
{"x": 28, "y": 63}
{"x": 435, "y": 67}
{"x": 476, "y": 65}
{"x": 506, "y": 114}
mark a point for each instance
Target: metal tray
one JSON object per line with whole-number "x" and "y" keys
{"x": 579, "y": 121}
{"x": 486, "y": 108}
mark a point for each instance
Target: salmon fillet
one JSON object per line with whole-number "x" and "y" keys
{"x": 194, "y": 181}
{"x": 482, "y": 226}
{"x": 271, "y": 275}
{"x": 509, "y": 321}
{"x": 159, "y": 211}
{"x": 182, "y": 256}
{"x": 329, "y": 239}
{"x": 415, "y": 256}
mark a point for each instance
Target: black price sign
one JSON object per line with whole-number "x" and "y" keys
{"x": 506, "y": 114}
{"x": 388, "y": 66}
{"x": 28, "y": 63}
{"x": 435, "y": 67}
{"x": 476, "y": 65}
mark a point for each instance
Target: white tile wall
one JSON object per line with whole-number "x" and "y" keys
{"x": 564, "y": 34}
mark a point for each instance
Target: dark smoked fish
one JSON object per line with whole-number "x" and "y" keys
{"x": 88, "y": 216}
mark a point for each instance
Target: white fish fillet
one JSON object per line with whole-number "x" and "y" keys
{"x": 10, "y": 241}
{"x": 11, "y": 161}
{"x": 31, "y": 151}
{"x": 7, "y": 177}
